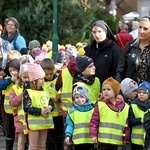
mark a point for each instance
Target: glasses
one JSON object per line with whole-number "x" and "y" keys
{"x": 10, "y": 25}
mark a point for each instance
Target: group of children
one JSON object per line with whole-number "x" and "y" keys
{"x": 46, "y": 110}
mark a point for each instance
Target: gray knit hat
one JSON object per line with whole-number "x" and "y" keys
{"x": 128, "y": 85}
{"x": 81, "y": 90}
{"x": 33, "y": 44}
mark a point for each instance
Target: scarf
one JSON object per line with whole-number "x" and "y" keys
{"x": 10, "y": 38}
{"x": 78, "y": 77}
{"x": 143, "y": 106}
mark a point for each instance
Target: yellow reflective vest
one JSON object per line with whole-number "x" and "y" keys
{"x": 112, "y": 124}
{"x": 138, "y": 132}
{"x": 49, "y": 88}
{"x": 93, "y": 89}
{"x": 66, "y": 93}
{"x": 81, "y": 126}
{"x": 39, "y": 99}
{"x": 21, "y": 114}
{"x": 7, "y": 106}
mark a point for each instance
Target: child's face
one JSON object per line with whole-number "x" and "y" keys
{"x": 79, "y": 99}
{"x": 132, "y": 95}
{"x": 49, "y": 74}
{"x": 40, "y": 83}
{"x": 90, "y": 70}
{"x": 108, "y": 92}
{"x": 24, "y": 77}
{"x": 13, "y": 71}
{"x": 142, "y": 95}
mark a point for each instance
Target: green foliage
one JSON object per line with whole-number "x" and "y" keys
{"x": 36, "y": 19}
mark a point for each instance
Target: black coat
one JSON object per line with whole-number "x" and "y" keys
{"x": 128, "y": 63}
{"x": 105, "y": 56}
{"x": 146, "y": 125}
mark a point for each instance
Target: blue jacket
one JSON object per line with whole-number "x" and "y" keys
{"x": 4, "y": 83}
{"x": 20, "y": 43}
{"x": 69, "y": 121}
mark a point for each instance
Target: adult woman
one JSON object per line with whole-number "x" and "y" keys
{"x": 134, "y": 62}
{"x": 12, "y": 34}
{"x": 103, "y": 50}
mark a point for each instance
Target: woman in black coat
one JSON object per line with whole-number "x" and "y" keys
{"x": 134, "y": 62}
{"x": 104, "y": 50}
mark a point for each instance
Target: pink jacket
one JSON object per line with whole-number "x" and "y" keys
{"x": 15, "y": 101}
{"x": 94, "y": 123}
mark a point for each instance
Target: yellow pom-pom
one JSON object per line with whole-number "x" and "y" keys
{"x": 81, "y": 51}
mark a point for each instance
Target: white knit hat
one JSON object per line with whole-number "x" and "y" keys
{"x": 128, "y": 85}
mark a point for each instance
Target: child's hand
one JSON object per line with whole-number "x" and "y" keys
{"x": 142, "y": 121}
{"x": 67, "y": 140}
{"x": 44, "y": 113}
{"x": 14, "y": 79}
{"x": 94, "y": 139}
{"x": 48, "y": 109}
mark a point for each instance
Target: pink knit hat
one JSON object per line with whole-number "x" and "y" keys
{"x": 40, "y": 57}
{"x": 35, "y": 72}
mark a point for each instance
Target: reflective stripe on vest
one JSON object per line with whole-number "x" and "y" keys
{"x": 49, "y": 88}
{"x": 7, "y": 106}
{"x": 81, "y": 126}
{"x": 93, "y": 89}
{"x": 39, "y": 99}
{"x": 66, "y": 94}
{"x": 112, "y": 124}
{"x": 138, "y": 132}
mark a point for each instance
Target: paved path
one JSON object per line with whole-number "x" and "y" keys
{"x": 2, "y": 141}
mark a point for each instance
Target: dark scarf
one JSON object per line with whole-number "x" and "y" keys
{"x": 78, "y": 77}
{"x": 10, "y": 38}
{"x": 143, "y": 106}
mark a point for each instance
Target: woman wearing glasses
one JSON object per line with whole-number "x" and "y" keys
{"x": 11, "y": 34}
{"x": 104, "y": 50}
{"x": 134, "y": 62}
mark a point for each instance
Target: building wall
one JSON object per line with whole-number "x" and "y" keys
{"x": 144, "y": 8}
{"x": 126, "y": 6}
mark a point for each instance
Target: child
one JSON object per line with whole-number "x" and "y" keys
{"x": 12, "y": 69}
{"x": 78, "y": 119}
{"x": 55, "y": 138}
{"x": 86, "y": 77}
{"x": 136, "y": 113}
{"x": 109, "y": 123}
{"x": 129, "y": 90}
{"x": 16, "y": 96}
{"x": 38, "y": 108}
{"x": 65, "y": 79}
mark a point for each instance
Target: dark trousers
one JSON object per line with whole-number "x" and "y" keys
{"x": 9, "y": 131}
{"x": 55, "y": 137}
{"x": 108, "y": 147}
{"x": 83, "y": 147}
{"x": 136, "y": 147}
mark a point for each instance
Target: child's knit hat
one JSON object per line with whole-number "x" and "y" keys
{"x": 12, "y": 63}
{"x": 33, "y": 44}
{"x": 114, "y": 84}
{"x": 71, "y": 52}
{"x": 83, "y": 62}
{"x": 145, "y": 86}
{"x": 23, "y": 69}
{"x": 40, "y": 57}
{"x": 81, "y": 90}
{"x": 35, "y": 72}
{"x": 128, "y": 85}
